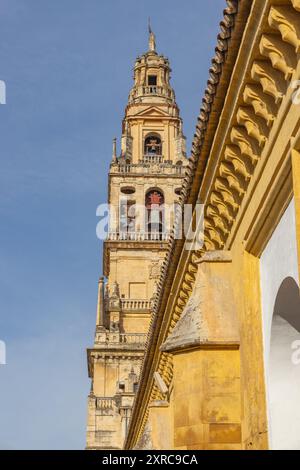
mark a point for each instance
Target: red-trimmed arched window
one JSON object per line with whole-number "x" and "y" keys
{"x": 155, "y": 213}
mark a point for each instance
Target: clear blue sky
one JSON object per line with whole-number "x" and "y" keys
{"x": 68, "y": 65}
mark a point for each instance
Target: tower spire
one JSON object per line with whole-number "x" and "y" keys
{"x": 152, "y": 43}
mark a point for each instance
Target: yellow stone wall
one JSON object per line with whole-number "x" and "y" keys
{"x": 132, "y": 267}
{"x": 108, "y": 372}
{"x": 165, "y": 127}
{"x": 246, "y": 275}
{"x": 161, "y": 424}
{"x": 207, "y": 400}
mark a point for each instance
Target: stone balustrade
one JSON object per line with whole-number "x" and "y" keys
{"x": 150, "y": 165}
{"x": 116, "y": 340}
{"x": 135, "y": 304}
{"x": 104, "y": 403}
{"x": 133, "y": 338}
{"x": 138, "y": 236}
{"x": 153, "y": 158}
{"x": 151, "y": 90}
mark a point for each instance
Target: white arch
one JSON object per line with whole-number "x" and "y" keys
{"x": 279, "y": 264}
{"x": 284, "y": 373}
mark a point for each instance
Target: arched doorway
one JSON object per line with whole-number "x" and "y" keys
{"x": 284, "y": 369}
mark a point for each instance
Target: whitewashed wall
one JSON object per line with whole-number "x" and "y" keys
{"x": 279, "y": 262}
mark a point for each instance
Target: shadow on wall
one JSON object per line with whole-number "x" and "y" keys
{"x": 287, "y": 304}
{"x": 284, "y": 372}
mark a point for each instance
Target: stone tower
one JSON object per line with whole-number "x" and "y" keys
{"x": 144, "y": 181}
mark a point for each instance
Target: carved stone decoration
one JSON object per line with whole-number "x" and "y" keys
{"x": 296, "y": 4}
{"x": 247, "y": 146}
{"x": 218, "y": 221}
{"x": 270, "y": 79}
{"x": 287, "y": 21}
{"x": 226, "y": 193}
{"x": 281, "y": 55}
{"x": 214, "y": 234}
{"x": 262, "y": 104}
{"x": 232, "y": 154}
{"x": 115, "y": 291}
{"x": 223, "y": 210}
{"x": 227, "y": 171}
{"x": 114, "y": 298}
{"x": 209, "y": 245}
{"x": 255, "y": 127}
{"x": 154, "y": 270}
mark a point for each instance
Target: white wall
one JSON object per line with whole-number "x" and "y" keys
{"x": 278, "y": 262}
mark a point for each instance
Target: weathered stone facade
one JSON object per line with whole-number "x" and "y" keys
{"x": 148, "y": 172}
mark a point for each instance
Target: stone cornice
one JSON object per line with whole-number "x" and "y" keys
{"x": 96, "y": 353}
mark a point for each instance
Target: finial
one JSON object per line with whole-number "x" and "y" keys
{"x": 114, "y": 155}
{"x": 100, "y": 304}
{"x": 152, "y": 44}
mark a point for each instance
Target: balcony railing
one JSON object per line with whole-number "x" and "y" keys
{"x": 131, "y": 304}
{"x": 148, "y": 167}
{"x": 138, "y": 236}
{"x": 133, "y": 338}
{"x": 104, "y": 403}
{"x": 123, "y": 341}
{"x": 149, "y": 158}
{"x": 151, "y": 90}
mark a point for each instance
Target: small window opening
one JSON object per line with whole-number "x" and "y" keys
{"x": 152, "y": 80}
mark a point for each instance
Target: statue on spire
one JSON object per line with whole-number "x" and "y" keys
{"x": 152, "y": 44}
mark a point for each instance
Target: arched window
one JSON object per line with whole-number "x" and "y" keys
{"x": 179, "y": 167}
{"x": 154, "y": 214}
{"x": 152, "y": 145}
{"x": 127, "y": 217}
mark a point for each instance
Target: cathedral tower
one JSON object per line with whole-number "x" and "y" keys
{"x": 144, "y": 182}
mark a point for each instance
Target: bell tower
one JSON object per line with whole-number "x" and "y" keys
{"x": 144, "y": 182}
